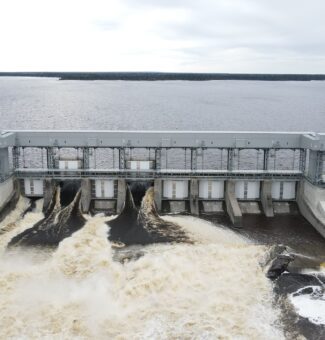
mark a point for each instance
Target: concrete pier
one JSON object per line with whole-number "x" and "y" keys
{"x": 194, "y": 197}
{"x": 121, "y": 191}
{"x": 85, "y": 195}
{"x": 158, "y": 193}
{"x": 266, "y": 198}
{"x": 9, "y": 195}
{"x": 311, "y": 202}
{"x": 232, "y": 205}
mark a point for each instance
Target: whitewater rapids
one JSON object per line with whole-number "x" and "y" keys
{"x": 212, "y": 289}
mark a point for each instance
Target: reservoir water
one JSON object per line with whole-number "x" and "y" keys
{"x": 211, "y": 288}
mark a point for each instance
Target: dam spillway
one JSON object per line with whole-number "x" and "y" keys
{"x": 190, "y": 171}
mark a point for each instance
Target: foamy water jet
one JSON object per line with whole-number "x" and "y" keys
{"x": 212, "y": 288}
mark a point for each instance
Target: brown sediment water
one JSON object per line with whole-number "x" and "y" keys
{"x": 211, "y": 288}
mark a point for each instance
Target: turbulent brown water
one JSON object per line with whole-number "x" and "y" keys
{"x": 213, "y": 288}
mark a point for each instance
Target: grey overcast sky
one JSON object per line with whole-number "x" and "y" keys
{"x": 250, "y": 36}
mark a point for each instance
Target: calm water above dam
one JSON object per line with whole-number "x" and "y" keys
{"x": 47, "y": 103}
{"x": 211, "y": 288}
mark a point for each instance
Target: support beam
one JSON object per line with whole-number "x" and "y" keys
{"x": 15, "y": 156}
{"x": 266, "y": 159}
{"x": 121, "y": 158}
{"x": 158, "y": 158}
{"x": 85, "y": 158}
{"x": 232, "y": 205}
{"x": 315, "y": 166}
{"x": 121, "y": 191}
{"x": 230, "y": 159}
{"x": 266, "y": 198}
{"x": 85, "y": 195}
{"x": 158, "y": 193}
{"x": 194, "y": 197}
{"x": 50, "y": 158}
{"x": 194, "y": 159}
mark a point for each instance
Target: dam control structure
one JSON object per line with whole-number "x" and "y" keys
{"x": 191, "y": 171}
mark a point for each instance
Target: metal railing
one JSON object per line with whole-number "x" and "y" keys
{"x": 152, "y": 174}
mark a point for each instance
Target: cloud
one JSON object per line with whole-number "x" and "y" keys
{"x": 163, "y": 35}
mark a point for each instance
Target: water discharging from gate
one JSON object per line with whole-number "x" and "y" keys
{"x": 212, "y": 288}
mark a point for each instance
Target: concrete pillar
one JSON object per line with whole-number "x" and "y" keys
{"x": 194, "y": 197}
{"x": 266, "y": 198}
{"x": 49, "y": 188}
{"x": 158, "y": 193}
{"x": 9, "y": 196}
{"x": 121, "y": 192}
{"x": 85, "y": 195}
{"x": 232, "y": 205}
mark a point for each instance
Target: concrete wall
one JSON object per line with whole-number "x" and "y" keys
{"x": 6, "y": 191}
{"x": 4, "y": 161}
{"x": 311, "y": 202}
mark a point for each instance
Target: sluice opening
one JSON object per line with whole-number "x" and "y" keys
{"x": 138, "y": 190}
{"x": 69, "y": 189}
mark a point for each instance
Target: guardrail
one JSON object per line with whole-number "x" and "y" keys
{"x": 150, "y": 174}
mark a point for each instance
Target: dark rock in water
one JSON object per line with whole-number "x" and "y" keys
{"x": 128, "y": 256}
{"x": 290, "y": 282}
{"x": 278, "y": 266}
{"x": 304, "y": 291}
{"x": 57, "y": 224}
{"x": 143, "y": 226}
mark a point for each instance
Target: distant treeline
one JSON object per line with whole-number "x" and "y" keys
{"x": 165, "y": 76}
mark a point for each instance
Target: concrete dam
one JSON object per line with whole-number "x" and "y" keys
{"x": 190, "y": 171}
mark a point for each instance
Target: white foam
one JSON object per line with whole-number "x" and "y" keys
{"x": 212, "y": 289}
{"x": 309, "y": 306}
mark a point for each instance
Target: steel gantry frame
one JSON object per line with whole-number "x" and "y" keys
{"x": 195, "y": 141}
